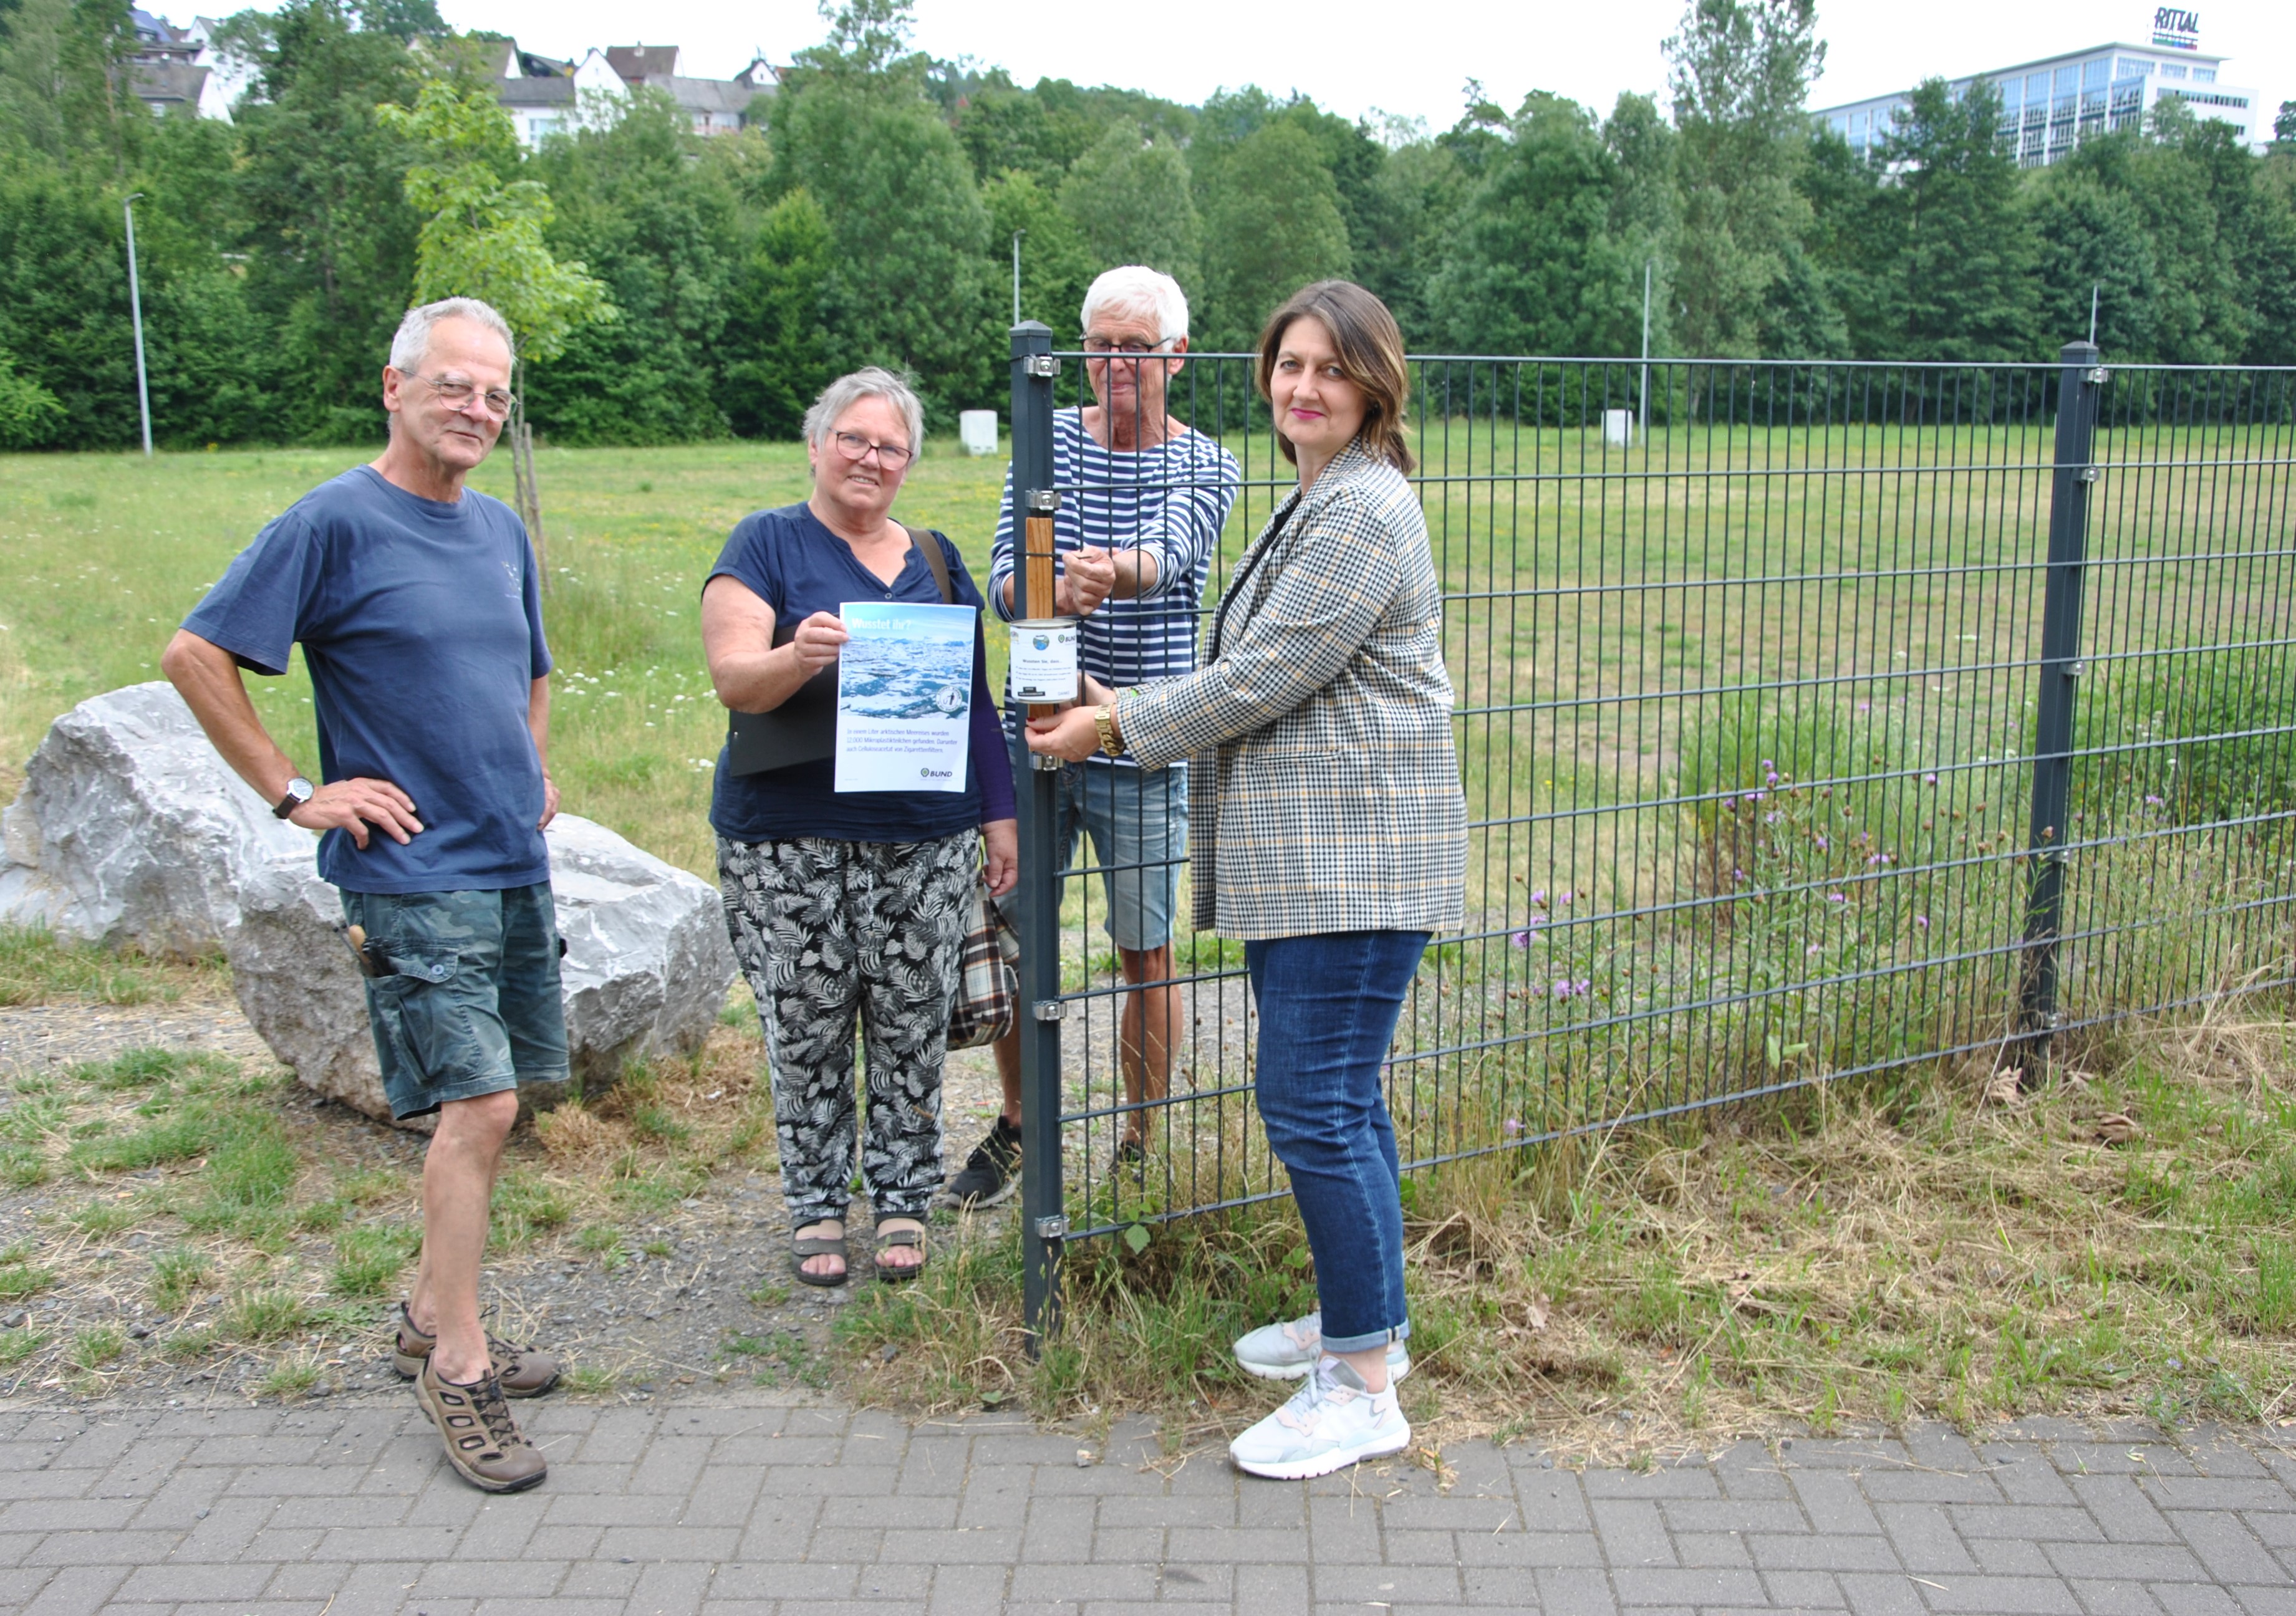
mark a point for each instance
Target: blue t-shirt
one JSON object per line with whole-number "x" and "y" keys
{"x": 797, "y": 566}
{"x": 422, "y": 625}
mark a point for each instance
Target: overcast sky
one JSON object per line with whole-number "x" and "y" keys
{"x": 1394, "y": 59}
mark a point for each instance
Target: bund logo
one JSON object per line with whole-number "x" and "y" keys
{"x": 1042, "y": 642}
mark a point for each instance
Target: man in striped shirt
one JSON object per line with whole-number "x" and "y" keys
{"x": 1144, "y": 498}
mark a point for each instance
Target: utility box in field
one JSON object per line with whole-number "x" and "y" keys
{"x": 977, "y": 431}
{"x": 1619, "y": 428}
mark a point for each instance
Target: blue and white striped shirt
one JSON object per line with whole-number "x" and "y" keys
{"x": 1169, "y": 501}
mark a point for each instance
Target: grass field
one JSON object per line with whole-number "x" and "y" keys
{"x": 1638, "y": 644}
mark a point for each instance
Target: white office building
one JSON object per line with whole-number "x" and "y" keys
{"x": 2050, "y": 106}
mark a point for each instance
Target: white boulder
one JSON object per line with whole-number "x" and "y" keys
{"x": 132, "y": 829}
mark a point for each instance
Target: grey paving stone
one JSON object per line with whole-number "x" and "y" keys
{"x": 2003, "y": 1595}
{"x": 2121, "y": 1507}
{"x": 2202, "y": 1599}
{"x": 1924, "y": 1538}
{"x": 1805, "y": 1591}
{"x": 1582, "y": 1593}
{"x": 1654, "y": 1584}
{"x": 1833, "y": 1502}
{"x": 76, "y": 1590}
{"x": 1632, "y": 1530}
{"x": 1529, "y": 1549}
{"x": 1712, "y": 1550}
{"x": 2229, "y": 1550}
{"x": 2101, "y": 1596}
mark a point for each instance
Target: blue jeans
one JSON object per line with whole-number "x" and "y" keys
{"x": 1328, "y": 1006}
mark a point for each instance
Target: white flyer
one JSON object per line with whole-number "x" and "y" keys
{"x": 904, "y": 697}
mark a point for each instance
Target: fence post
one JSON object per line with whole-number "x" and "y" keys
{"x": 1042, "y": 1202}
{"x": 2080, "y": 391}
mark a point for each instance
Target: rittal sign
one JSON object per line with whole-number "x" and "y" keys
{"x": 2179, "y": 30}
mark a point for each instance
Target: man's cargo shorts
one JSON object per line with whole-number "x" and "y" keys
{"x": 471, "y": 1006}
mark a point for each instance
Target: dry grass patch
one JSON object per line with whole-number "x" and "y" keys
{"x": 1935, "y": 1245}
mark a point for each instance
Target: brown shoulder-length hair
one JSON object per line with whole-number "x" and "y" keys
{"x": 1370, "y": 354}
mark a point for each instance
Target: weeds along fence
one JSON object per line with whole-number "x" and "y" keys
{"x": 1815, "y": 720}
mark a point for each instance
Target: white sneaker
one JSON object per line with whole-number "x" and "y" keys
{"x": 1331, "y": 1421}
{"x": 1286, "y": 1352}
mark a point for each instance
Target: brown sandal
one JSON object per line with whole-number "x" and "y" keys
{"x": 817, "y": 1245}
{"x": 895, "y": 1273}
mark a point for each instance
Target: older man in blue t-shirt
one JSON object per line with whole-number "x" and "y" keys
{"x": 418, "y": 609}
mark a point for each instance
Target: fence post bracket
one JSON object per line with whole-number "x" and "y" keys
{"x": 1042, "y": 366}
{"x": 1048, "y": 1010}
{"x": 1055, "y": 1227}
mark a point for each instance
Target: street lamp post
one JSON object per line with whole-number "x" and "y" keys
{"x": 1017, "y": 234}
{"x": 136, "y": 307}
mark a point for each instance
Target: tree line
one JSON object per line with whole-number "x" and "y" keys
{"x": 718, "y": 283}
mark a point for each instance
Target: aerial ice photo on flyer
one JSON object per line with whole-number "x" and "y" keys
{"x": 904, "y": 697}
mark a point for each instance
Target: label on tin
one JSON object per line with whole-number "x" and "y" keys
{"x": 1044, "y": 659}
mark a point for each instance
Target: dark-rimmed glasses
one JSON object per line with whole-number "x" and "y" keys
{"x": 853, "y": 446}
{"x": 1131, "y": 348}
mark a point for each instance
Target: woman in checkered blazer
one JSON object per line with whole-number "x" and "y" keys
{"x": 1330, "y": 836}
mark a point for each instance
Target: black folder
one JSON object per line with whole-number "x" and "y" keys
{"x": 803, "y": 729}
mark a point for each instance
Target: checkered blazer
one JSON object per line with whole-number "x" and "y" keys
{"x": 1325, "y": 795}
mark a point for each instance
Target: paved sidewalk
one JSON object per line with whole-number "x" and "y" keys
{"x": 759, "y": 1507}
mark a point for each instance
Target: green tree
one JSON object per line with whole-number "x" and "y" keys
{"x": 1741, "y": 71}
{"x": 779, "y": 359}
{"x": 483, "y": 233}
{"x": 328, "y": 233}
{"x": 1956, "y": 279}
{"x": 1272, "y": 225}
{"x": 30, "y": 415}
{"x": 667, "y": 220}
{"x": 1534, "y": 269}
{"x": 1130, "y": 198}
{"x": 1055, "y": 267}
{"x": 909, "y": 280}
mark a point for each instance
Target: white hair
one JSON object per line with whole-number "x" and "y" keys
{"x": 1134, "y": 288}
{"x": 872, "y": 382}
{"x": 412, "y": 343}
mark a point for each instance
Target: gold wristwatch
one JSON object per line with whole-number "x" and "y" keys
{"x": 1103, "y": 720}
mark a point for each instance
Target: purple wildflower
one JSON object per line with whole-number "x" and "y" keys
{"x": 1836, "y": 897}
{"x": 1821, "y": 844}
{"x": 1922, "y": 921}
{"x": 1520, "y": 939}
{"x": 1539, "y": 895}
{"x": 2151, "y": 801}
{"x": 1813, "y": 951}
{"x": 1929, "y": 779}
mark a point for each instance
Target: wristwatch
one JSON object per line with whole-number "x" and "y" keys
{"x": 299, "y": 793}
{"x": 1103, "y": 720}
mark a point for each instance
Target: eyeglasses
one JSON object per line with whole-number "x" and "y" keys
{"x": 853, "y": 446}
{"x": 1133, "y": 349}
{"x": 456, "y": 394}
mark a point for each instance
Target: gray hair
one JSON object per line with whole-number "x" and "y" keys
{"x": 1136, "y": 288}
{"x": 412, "y": 343}
{"x": 872, "y": 382}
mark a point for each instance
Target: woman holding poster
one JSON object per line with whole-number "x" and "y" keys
{"x": 845, "y": 903}
{"x": 1330, "y": 835}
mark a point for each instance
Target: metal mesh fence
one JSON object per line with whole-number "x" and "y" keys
{"x": 1815, "y": 720}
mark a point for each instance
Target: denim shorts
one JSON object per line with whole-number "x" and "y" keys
{"x": 472, "y": 1006}
{"x": 1138, "y": 822}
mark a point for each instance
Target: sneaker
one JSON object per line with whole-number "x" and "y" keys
{"x": 992, "y": 1172}
{"x": 1331, "y": 1421}
{"x": 1286, "y": 1352}
{"x": 523, "y": 1371}
{"x": 483, "y": 1442}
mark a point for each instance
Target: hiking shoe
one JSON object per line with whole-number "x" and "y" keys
{"x": 1331, "y": 1421}
{"x": 993, "y": 1171}
{"x": 483, "y": 1442}
{"x": 1286, "y": 1352}
{"x": 523, "y": 1371}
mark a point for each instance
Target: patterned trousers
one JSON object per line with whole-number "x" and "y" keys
{"x": 825, "y": 930}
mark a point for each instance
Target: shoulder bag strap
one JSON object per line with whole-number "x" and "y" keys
{"x": 929, "y": 545}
